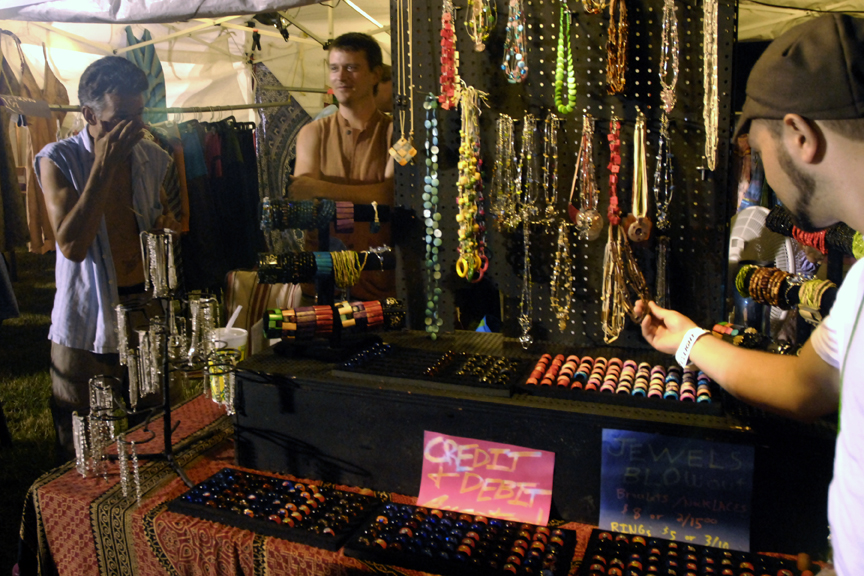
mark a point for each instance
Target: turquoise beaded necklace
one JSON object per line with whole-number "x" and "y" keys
{"x": 515, "y": 63}
{"x": 564, "y": 66}
{"x": 432, "y": 216}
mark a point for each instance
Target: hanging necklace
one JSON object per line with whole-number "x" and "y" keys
{"x": 526, "y": 308}
{"x": 710, "y": 111}
{"x": 503, "y": 194}
{"x": 663, "y": 185}
{"x": 528, "y": 168}
{"x": 472, "y": 262}
{"x": 639, "y": 226}
{"x": 550, "y": 165}
{"x": 564, "y": 65}
{"x": 616, "y": 48}
{"x": 403, "y": 150}
{"x": 593, "y": 7}
{"x": 480, "y": 22}
{"x": 563, "y": 270}
{"x": 449, "y": 57}
{"x": 589, "y": 222}
{"x": 669, "y": 56}
{"x": 613, "y": 299}
{"x": 614, "y": 166}
{"x": 515, "y": 63}
{"x": 432, "y": 216}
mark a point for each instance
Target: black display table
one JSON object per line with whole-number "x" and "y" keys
{"x": 305, "y": 418}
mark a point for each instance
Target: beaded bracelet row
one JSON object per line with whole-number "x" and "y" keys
{"x": 621, "y": 377}
{"x": 308, "y": 322}
{"x": 298, "y": 267}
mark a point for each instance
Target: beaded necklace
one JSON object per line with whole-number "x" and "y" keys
{"x": 663, "y": 190}
{"x": 614, "y": 166}
{"x": 616, "y": 48}
{"x": 472, "y": 262}
{"x": 564, "y": 65}
{"x": 526, "y": 307}
{"x": 503, "y": 194}
{"x": 589, "y": 222}
{"x": 515, "y": 63}
{"x": 613, "y": 299}
{"x": 449, "y": 58}
{"x": 639, "y": 227}
{"x": 480, "y": 21}
{"x": 669, "y": 55}
{"x": 562, "y": 270}
{"x": 663, "y": 185}
{"x": 528, "y": 168}
{"x": 710, "y": 110}
{"x": 432, "y": 216}
{"x": 403, "y": 150}
{"x": 550, "y": 165}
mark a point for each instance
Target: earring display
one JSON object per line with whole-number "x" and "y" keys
{"x": 615, "y": 553}
{"x": 623, "y": 382}
{"x": 452, "y": 543}
{"x": 301, "y": 512}
{"x": 474, "y": 373}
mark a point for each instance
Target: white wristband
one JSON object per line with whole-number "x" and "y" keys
{"x": 682, "y": 356}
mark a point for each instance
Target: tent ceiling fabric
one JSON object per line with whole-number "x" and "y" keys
{"x": 138, "y": 11}
{"x": 760, "y": 22}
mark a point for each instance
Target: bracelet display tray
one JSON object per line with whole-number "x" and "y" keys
{"x": 191, "y": 503}
{"x": 633, "y": 554}
{"x": 411, "y": 366}
{"x": 404, "y": 540}
{"x": 715, "y": 407}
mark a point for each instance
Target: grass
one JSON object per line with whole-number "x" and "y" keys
{"x": 25, "y": 388}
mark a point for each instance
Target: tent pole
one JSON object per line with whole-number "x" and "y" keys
{"x": 199, "y": 109}
{"x": 302, "y": 28}
{"x": 187, "y": 31}
{"x": 104, "y": 48}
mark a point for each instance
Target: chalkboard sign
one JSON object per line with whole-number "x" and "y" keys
{"x": 681, "y": 489}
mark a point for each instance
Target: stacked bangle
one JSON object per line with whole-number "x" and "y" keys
{"x": 323, "y": 320}
{"x": 552, "y": 372}
{"x": 323, "y": 264}
{"x": 673, "y": 383}
{"x": 703, "y": 388}
{"x": 306, "y": 322}
{"x": 568, "y": 371}
{"x": 346, "y": 314}
{"x": 586, "y": 365}
{"x": 374, "y": 313}
{"x": 344, "y": 217}
{"x": 539, "y": 369}
{"x": 360, "y": 316}
{"x": 326, "y": 213}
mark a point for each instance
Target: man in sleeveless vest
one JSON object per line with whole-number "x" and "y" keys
{"x": 805, "y": 115}
{"x": 102, "y": 187}
{"x": 344, "y": 156}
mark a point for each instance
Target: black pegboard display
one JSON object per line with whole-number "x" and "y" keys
{"x": 699, "y": 211}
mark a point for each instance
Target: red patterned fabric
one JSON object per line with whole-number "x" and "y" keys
{"x": 91, "y": 529}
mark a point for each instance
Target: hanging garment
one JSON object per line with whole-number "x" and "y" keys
{"x": 13, "y": 214}
{"x": 41, "y": 131}
{"x": 276, "y": 135}
{"x": 205, "y": 265}
{"x": 145, "y": 58}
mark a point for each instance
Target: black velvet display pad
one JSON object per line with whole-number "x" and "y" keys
{"x": 440, "y": 542}
{"x": 254, "y": 501}
{"x": 634, "y": 554}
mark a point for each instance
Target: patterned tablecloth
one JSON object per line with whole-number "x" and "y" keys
{"x": 85, "y": 526}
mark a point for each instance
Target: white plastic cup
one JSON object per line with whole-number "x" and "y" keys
{"x": 231, "y": 338}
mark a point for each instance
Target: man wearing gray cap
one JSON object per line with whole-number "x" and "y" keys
{"x": 805, "y": 116}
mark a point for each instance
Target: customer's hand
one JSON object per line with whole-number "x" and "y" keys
{"x": 114, "y": 147}
{"x": 663, "y": 329}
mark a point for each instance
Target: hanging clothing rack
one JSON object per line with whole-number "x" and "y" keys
{"x": 201, "y": 109}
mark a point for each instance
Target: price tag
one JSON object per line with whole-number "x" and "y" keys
{"x": 680, "y": 489}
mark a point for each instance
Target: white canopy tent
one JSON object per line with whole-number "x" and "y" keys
{"x": 205, "y": 48}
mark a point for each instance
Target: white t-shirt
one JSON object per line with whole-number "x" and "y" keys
{"x": 831, "y": 340}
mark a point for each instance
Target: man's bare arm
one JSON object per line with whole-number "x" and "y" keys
{"x": 306, "y": 188}
{"x": 75, "y": 218}
{"x": 804, "y": 387}
{"x": 308, "y": 163}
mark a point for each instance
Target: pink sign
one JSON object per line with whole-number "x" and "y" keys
{"x": 486, "y": 478}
